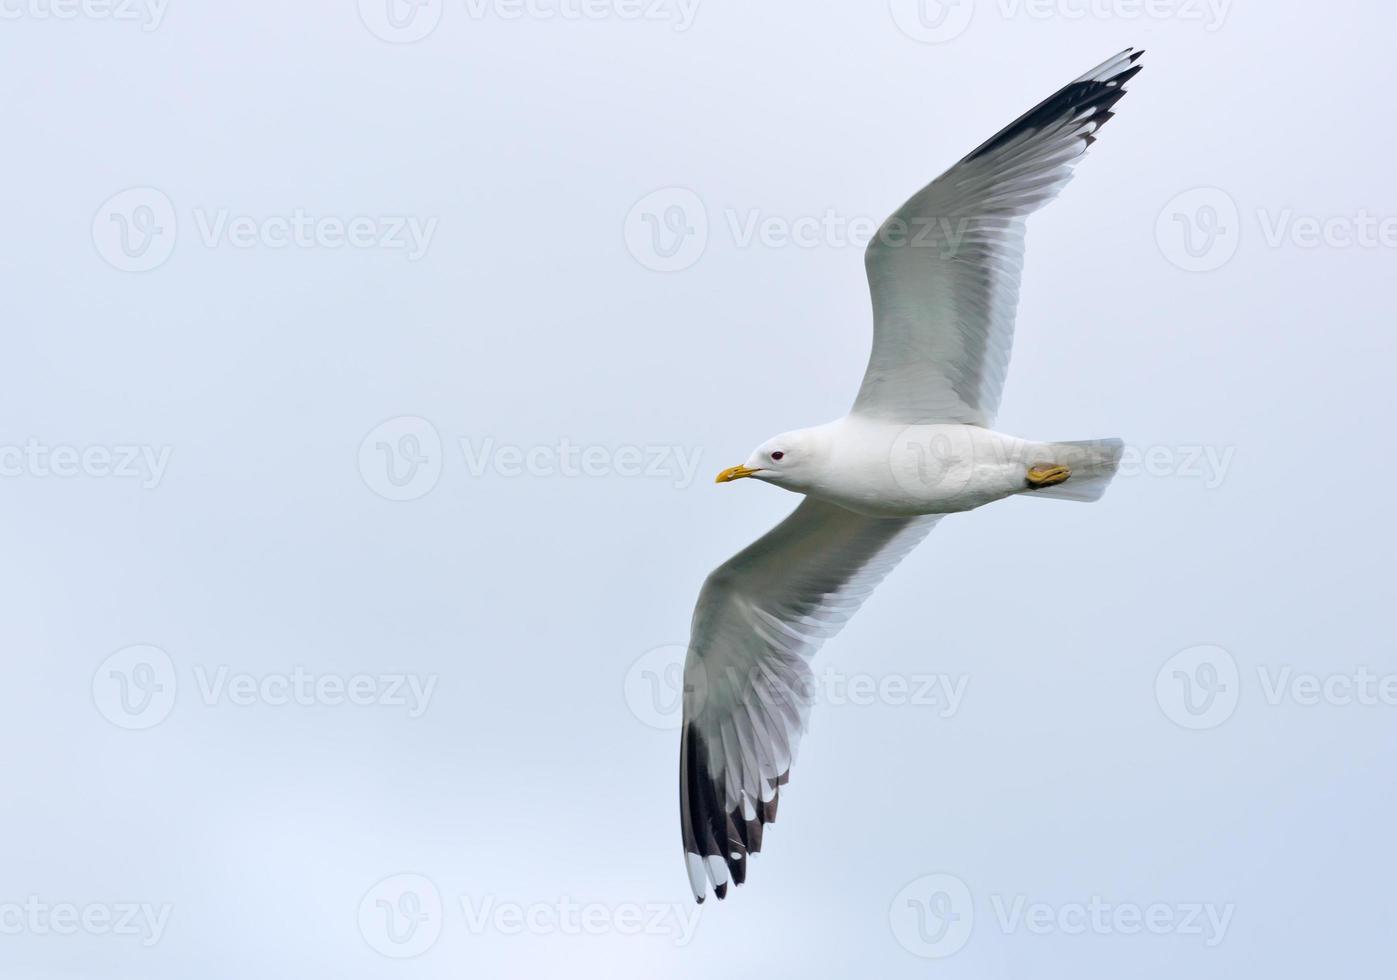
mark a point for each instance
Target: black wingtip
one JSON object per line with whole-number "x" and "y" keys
{"x": 709, "y": 830}
{"x": 1092, "y": 92}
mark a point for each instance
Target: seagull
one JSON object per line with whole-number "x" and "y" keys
{"x": 918, "y": 443}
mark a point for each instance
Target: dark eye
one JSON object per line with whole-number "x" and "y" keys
{"x": 778, "y": 455}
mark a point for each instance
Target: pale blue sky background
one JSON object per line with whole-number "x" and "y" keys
{"x": 537, "y": 772}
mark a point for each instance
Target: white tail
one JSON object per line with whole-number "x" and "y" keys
{"x": 1093, "y": 464}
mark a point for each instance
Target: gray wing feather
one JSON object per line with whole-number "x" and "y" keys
{"x": 760, "y": 618}
{"x": 944, "y": 270}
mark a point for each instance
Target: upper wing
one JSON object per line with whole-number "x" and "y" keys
{"x": 747, "y": 681}
{"x": 944, "y": 270}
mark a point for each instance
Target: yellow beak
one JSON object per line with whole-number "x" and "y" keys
{"x": 734, "y": 473}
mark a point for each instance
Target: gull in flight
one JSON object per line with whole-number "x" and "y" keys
{"x": 918, "y": 443}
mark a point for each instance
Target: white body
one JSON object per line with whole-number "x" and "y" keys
{"x": 890, "y": 470}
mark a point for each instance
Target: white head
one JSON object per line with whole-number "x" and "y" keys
{"x": 793, "y": 460}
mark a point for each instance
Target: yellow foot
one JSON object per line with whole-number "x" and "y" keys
{"x": 1047, "y": 476}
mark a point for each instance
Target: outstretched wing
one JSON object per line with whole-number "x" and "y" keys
{"x": 944, "y": 270}
{"x": 747, "y": 680}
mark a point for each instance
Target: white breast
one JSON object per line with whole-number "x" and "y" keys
{"x": 896, "y": 470}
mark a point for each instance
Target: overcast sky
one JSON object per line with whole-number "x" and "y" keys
{"x": 367, "y": 371}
